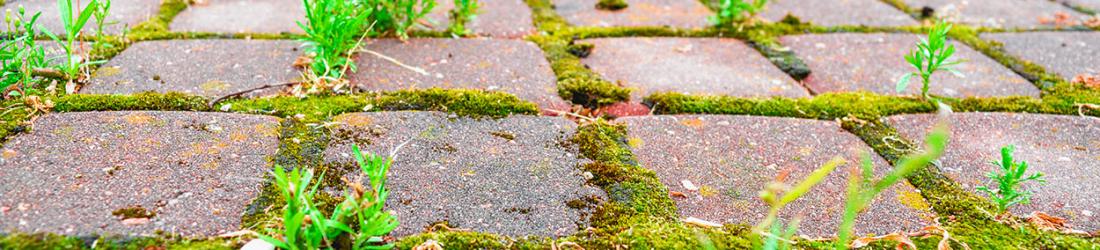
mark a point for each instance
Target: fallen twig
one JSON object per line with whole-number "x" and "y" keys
{"x": 399, "y": 63}
{"x": 242, "y": 92}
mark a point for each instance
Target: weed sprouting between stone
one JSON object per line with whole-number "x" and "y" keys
{"x": 931, "y": 55}
{"x": 732, "y": 11}
{"x": 333, "y": 30}
{"x": 21, "y": 55}
{"x": 1012, "y": 174}
{"x": 396, "y": 17}
{"x": 74, "y": 63}
{"x": 464, "y": 12}
{"x": 777, "y": 195}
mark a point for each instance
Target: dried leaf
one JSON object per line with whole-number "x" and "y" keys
{"x": 1090, "y": 81}
{"x": 1046, "y": 222}
{"x": 903, "y": 241}
{"x": 677, "y": 194}
{"x": 701, "y": 222}
{"x": 429, "y": 245}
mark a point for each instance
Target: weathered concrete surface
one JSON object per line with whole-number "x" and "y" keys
{"x": 511, "y": 176}
{"x": 125, "y": 13}
{"x": 1068, "y": 54}
{"x": 670, "y": 13}
{"x": 495, "y": 18}
{"x": 711, "y": 66}
{"x": 875, "y": 62}
{"x": 208, "y": 68}
{"x": 196, "y": 171}
{"x": 838, "y": 12}
{"x": 516, "y": 67}
{"x": 1064, "y": 148}
{"x": 241, "y": 16}
{"x": 729, "y": 159}
{"x": 1093, "y": 5}
{"x": 998, "y": 13}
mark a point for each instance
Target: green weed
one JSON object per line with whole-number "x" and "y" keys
{"x": 1009, "y": 179}
{"x": 396, "y": 17}
{"x": 777, "y": 195}
{"x": 862, "y": 187}
{"x": 731, "y": 11}
{"x": 334, "y": 28}
{"x": 74, "y": 63}
{"x": 931, "y": 55}
{"x": 21, "y": 55}
{"x": 464, "y": 12}
{"x": 101, "y": 11}
{"x": 359, "y": 218}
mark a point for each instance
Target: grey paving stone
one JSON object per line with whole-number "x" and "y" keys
{"x": 1093, "y": 5}
{"x": 208, "y": 68}
{"x": 512, "y": 66}
{"x": 671, "y": 13}
{"x": 1068, "y": 54}
{"x": 511, "y": 176}
{"x": 196, "y": 171}
{"x": 731, "y": 158}
{"x": 874, "y": 62}
{"x": 240, "y": 16}
{"x": 125, "y": 13}
{"x": 1064, "y": 148}
{"x": 838, "y": 12}
{"x": 495, "y": 18}
{"x": 997, "y": 13}
{"x": 705, "y": 66}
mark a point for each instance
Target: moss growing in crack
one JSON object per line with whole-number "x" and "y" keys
{"x": 53, "y": 241}
{"x": 14, "y": 115}
{"x": 636, "y": 189}
{"x": 471, "y": 240}
{"x": 825, "y": 106}
{"x": 159, "y": 23}
{"x": 472, "y": 103}
{"x": 612, "y": 4}
{"x": 546, "y": 19}
{"x": 576, "y": 82}
{"x": 140, "y": 101}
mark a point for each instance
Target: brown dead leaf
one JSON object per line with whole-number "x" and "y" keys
{"x": 1093, "y": 22}
{"x": 1046, "y": 222}
{"x": 1060, "y": 19}
{"x": 694, "y": 123}
{"x": 903, "y": 241}
{"x": 429, "y": 245}
{"x": 303, "y": 61}
{"x": 1090, "y": 81}
{"x": 675, "y": 194}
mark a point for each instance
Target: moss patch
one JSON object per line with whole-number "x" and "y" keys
{"x": 53, "y": 241}
{"x": 472, "y": 103}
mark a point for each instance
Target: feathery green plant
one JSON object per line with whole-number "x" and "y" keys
{"x": 334, "y": 29}
{"x": 101, "y": 11}
{"x": 731, "y": 11}
{"x": 932, "y": 54}
{"x": 1009, "y": 179}
{"x": 360, "y": 217}
{"x": 21, "y": 55}
{"x": 396, "y": 17}
{"x": 464, "y": 12}
{"x": 862, "y": 187}
{"x": 777, "y": 195}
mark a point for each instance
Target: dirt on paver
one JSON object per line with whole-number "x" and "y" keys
{"x": 664, "y": 13}
{"x": 210, "y": 68}
{"x": 135, "y": 173}
{"x": 510, "y": 176}
{"x": 1064, "y": 148}
{"x": 720, "y": 163}
{"x": 838, "y": 12}
{"x": 511, "y": 66}
{"x": 1068, "y": 54}
{"x": 242, "y": 16}
{"x": 875, "y": 62}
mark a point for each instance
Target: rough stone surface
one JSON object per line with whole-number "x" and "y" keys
{"x": 731, "y": 158}
{"x": 1068, "y": 54}
{"x": 875, "y": 62}
{"x": 126, "y": 13}
{"x": 838, "y": 12}
{"x": 201, "y": 67}
{"x": 196, "y": 171}
{"x": 510, "y": 176}
{"x": 714, "y": 66}
{"x": 997, "y": 13}
{"x": 240, "y": 16}
{"x": 1093, "y": 5}
{"x": 1064, "y": 148}
{"x": 671, "y": 13}
{"x": 495, "y": 18}
{"x": 516, "y": 67}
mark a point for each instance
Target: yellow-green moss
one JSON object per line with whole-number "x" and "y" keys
{"x": 53, "y": 241}
{"x": 140, "y": 101}
{"x": 472, "y": 103}
{"x": 576, "y": 82}
{"x": 159, "y": 23}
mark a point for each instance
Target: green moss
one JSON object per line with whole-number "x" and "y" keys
{"x": 471, "y": 240}
{"x": 612, "y": 4}
{"x": 472, "y": 103}
{"x": 634, "y": 190}
{"x": 133, "y": 212}
{"x": 53, "y": 241}
{"x": 546, "y": 19}
{"x": 13, "y": 117}
{"x": 140, "y": 101}
{"x": 159, "y": 23}
{"x": 576, "y": 82}
{"x": 825, "y": 106}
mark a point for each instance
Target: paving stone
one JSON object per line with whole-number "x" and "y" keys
{"x": 240, "y": 16}
{"x": 126, "y": 13}
{"x": 510, "y": 176}
{"x": 874, "y": 62}
{"x": 516, "y": 67}
{"x": 196, "y": 171}
{"x": 1064, "y": 148}
{"x": 670, "y": 13}
{"x": 714, "y": 66}
{"x": 731, "y": 158}
{"x": 838, "y": 12}
{"x": 1093, "y": 5}
{"x": 1068, "y": 54}
{"x": 997, "y": 13}
{"x": 495, "y": 18}
{"x": 201, "y": 67}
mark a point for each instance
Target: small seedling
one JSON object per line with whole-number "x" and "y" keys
{"x": 334, "y": 29}
{"x": 73, "y": 62}
{"x": 612, "y": 4}
{"x": 1009, "y": 179}
{"x": 932, "y": 54}
{"x": 21, "y": 55}
{"x": 862, "y": 187}
{"x": 464, "y": 12}
{"x": 396, "y": 17}
{"x": 732, "y": 11}
{"x": 777, "y": 195}
{"x": 102, "y": 10}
